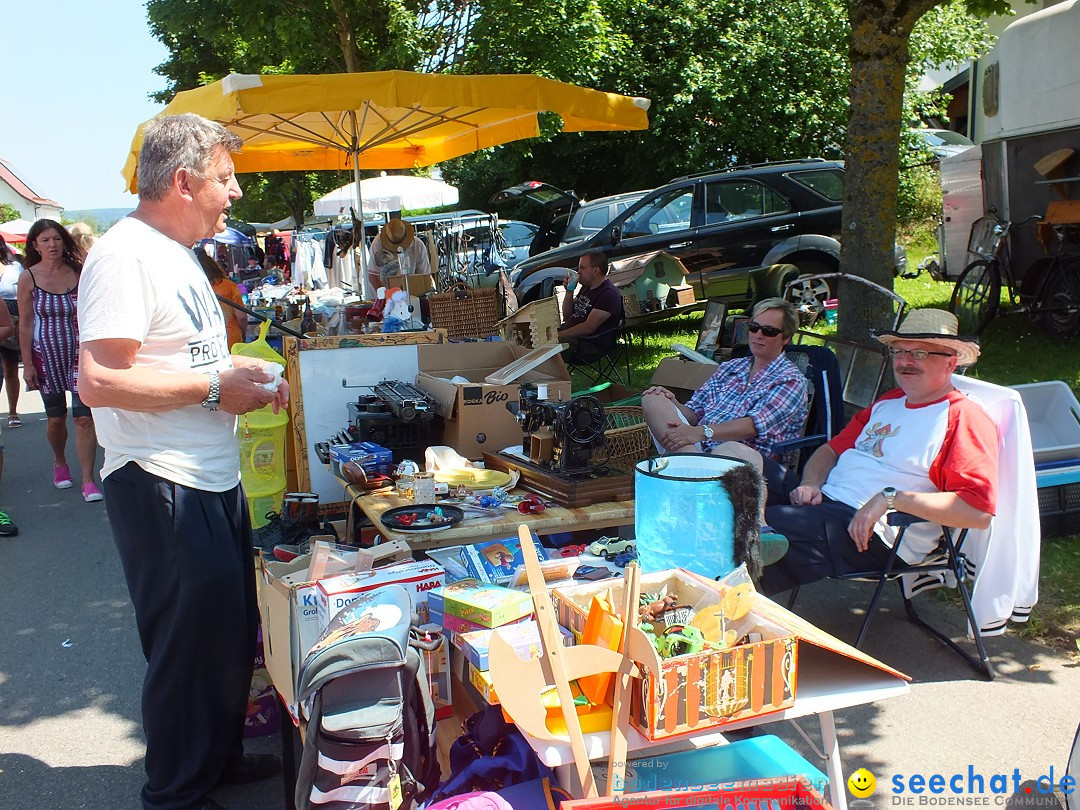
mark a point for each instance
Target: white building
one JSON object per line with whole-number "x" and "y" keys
{"x": 16, "y": 191}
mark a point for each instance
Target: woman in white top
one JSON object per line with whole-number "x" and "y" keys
{"x": 10, "y": 270}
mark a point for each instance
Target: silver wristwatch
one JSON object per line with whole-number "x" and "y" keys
{"x": 213, "y": 399}
{"x": 708, "y": 432}
{"x": 889, "y": 494}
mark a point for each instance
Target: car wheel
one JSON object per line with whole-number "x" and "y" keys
{"x": 607, "y": 555}
{"x": 809, "y": 295}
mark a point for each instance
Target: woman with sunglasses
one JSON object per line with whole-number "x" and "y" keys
{"x": 758, "y": 400}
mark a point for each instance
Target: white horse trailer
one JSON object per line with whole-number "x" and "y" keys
{"x": 1026, "y": 107}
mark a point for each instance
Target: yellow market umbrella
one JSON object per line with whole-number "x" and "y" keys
{"x": 388, "y": 120}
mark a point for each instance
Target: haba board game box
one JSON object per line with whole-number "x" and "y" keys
{"x": 480, "y": 602}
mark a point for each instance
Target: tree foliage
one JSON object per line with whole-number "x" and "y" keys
{"x": 8, "y": 212}
{"x": 730, "y": 82}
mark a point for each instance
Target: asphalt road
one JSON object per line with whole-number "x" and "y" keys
{"x": 71, "y": 671}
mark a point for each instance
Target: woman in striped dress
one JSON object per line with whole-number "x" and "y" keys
{"x": 49, "y": 338}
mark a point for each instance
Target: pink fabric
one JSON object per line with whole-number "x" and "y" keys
{"x": 478, "y": 800}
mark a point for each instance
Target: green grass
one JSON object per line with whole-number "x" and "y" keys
{"x": 1014, "y": 351}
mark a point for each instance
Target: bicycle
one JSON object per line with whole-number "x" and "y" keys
{"x": 1049, "y": 291}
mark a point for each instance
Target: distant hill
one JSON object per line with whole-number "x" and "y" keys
{"x": 100, "y": 219}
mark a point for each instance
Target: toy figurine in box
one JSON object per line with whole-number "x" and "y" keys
{"x": 722, "y": 663}
{"x": 496, "y": 560}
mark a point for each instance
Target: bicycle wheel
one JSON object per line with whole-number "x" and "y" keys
{"x": 976, "y": 296}
{"x": 1059, "y": 302}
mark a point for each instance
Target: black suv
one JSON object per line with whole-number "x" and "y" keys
{"x": 722, "y": 226}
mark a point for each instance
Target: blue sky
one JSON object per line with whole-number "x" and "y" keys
{"x": 85, "y": 70}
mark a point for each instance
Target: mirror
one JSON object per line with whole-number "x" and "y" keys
{"x": 616, "y": 235}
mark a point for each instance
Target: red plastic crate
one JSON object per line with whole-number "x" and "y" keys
{"x": 792, "y": 792}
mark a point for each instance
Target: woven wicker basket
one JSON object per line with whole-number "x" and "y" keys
{"x": 466, "y": 312}
{"x": 627, "y": 436}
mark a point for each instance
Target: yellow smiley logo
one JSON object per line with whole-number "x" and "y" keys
{"x": 862, "y": 783}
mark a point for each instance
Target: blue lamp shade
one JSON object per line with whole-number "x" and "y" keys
{"x": 684, "y": 516}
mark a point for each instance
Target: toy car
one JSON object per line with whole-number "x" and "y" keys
{"x": 624, "y": 558}
{"x": 610, "y": 547}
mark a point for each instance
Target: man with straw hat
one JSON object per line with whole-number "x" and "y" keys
{"x": 923, "y": 448}
{"x": 397, "y": 252}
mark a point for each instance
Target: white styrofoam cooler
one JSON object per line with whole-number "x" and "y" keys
{"x": 1054, "y": 419}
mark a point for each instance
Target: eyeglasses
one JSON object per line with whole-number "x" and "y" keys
{"x": 769, "y": 331}
{"x": 917, "y": 354}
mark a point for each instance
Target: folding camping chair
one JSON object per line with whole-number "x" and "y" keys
{"x": 1002, "y": 562}
{"x": 603, "y": 356}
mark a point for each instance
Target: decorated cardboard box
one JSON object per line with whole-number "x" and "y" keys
{"x": 524, "y": 637}
{"x": 480, "y": 602}
{"x": 714, "y": 687}
{"x": 437, "y": 662}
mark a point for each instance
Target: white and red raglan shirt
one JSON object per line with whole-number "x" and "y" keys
{"x": 949, "y": 445}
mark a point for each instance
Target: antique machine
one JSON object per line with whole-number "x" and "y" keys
{"x": 565, "y": 438}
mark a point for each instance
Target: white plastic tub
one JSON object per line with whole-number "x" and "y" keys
{"x": 1054, "y": 418}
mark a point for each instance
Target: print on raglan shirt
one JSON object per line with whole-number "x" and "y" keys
{"x": 209, "y": 346}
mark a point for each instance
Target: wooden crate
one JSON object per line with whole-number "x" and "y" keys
{"x": 535, "y": 324}
{"x": 680, "y": 296}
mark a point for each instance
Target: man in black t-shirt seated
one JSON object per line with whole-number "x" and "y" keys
{"x": 597, "y": 307}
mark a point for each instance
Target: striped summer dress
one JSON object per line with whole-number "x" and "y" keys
{"x": 56, "y": 339}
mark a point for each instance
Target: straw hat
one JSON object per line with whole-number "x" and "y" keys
{"x": 396, "y": 234}
{"x": 934, "y": 326}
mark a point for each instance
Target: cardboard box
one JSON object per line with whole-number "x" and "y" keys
{"x": 416, "y": 283}
{"x": 418, "y": 578}
{"x": 487, "y": 605}
{"x": 682, "y": 377}
{"x": 475, "y": 416}
{"x": 288, "y": 606}
{"x": 524, "y": 637}
{"x": 716, "y": 687}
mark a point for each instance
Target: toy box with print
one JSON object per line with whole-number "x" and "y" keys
{"x": 496, "y": 560}
{"x": 372, "y": 458}
{"x": 749, "y": 670}
{"x": 523, "y": 637}
{"x": 418, "y": 578}
{"x": 481, "y": 602}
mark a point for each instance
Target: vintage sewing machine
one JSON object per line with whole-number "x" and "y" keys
{"x": 562, "y": 437}
{"x": 564, "y": 452}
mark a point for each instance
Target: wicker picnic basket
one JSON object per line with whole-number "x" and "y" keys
{"x": 627, "y": 436}
{"x": 466, "y": 312}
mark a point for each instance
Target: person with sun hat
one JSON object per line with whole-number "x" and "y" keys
{"x": 923, "y": 448}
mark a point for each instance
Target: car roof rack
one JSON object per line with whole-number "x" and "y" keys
{"x": 744, "y": 166}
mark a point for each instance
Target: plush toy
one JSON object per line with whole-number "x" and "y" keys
{"x": 398, "y": 311}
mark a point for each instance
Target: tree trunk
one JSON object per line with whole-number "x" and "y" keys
{"x": 880, "y": 33}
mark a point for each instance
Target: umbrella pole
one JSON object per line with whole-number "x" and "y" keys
{"x": 363, "y": 235}
{"x": 258, "y": 316}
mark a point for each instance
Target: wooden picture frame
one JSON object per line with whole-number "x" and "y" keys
{"x": 314, "y": 369}
{"x": 711, "y": 334}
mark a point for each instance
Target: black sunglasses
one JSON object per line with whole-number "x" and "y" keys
{"x": 770, "y": 331}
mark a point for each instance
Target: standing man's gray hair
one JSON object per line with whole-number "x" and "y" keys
{"x": 174, "y": 142}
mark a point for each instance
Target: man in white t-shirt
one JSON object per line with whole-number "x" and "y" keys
{"x": 923, "y": 448}
{"x": 156, "y": 370}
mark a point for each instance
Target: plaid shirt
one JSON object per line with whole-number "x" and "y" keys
{"x": 776, "y": 400}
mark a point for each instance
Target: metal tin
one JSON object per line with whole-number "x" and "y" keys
{"x": 424, "y": 487}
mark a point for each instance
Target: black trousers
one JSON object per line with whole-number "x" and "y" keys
{"x": 188, "y": 562}
{"x": 819, "y": 545}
